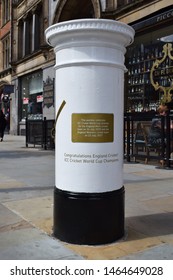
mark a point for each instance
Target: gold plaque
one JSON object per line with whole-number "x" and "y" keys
{"x": 92, "y": 128}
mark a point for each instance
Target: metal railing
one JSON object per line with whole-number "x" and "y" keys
{"x": 136, "y": 145}
{"x": 136, "y": 135}
{"x": 39, "y": 132}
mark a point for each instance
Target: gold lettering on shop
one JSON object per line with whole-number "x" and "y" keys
{"x": 167, "y": 73}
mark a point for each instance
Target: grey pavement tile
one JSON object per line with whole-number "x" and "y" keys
{"x": 7, "y": 217}
{"x": 33, "y": 244}
{"x": 159, "y": 252}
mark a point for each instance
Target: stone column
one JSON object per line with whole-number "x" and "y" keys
{"x": 89, "y": 191}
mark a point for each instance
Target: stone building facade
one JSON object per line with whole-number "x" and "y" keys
{"x": 30, "y": 68}
{"x": 5, "y": 55}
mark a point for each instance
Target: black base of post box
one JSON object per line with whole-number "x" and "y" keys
{"x": 89, "y": 218}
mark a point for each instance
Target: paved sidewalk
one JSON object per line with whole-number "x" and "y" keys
{"x": 26, "y": 209}
{"x": 26, "y": 203}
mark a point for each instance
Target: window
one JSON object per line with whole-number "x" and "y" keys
{"x": 27, "y": 36}
{"x": 141, "y": 56}
{"x": 20, "y": 39}
{"x": 6, "y": 52}
{"x": 5, "y": 11}
{"x": 36, "y": 31}
{"x": 29, "y": 33}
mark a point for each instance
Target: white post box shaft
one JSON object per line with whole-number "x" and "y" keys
{"x": 89, "y": 192}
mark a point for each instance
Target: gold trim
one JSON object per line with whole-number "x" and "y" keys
{"x": 57, "y": 115}
{"x": 167, "y": 97}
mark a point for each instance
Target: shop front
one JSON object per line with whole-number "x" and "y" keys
{"x": 31, "y": 99}
{"x": 149, "y": 81}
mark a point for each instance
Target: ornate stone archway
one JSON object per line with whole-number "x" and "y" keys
{"x": 76, "y": 9}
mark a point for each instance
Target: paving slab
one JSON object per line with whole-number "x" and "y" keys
{"x": 27, "y": 178}
{"x": 160, "y": 252}
{"x": 7, "y": 217}
{"x": 36, "y": 210}
{"x": 32, "y": 244}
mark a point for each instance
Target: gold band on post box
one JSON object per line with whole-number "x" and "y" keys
{"x": 58, "y": 113}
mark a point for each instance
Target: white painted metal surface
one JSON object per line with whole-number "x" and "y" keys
{"x": 90, "y": 78}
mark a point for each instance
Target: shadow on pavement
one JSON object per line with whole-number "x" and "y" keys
{"x": 153, "y": 225}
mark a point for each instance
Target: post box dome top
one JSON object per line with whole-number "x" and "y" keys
{"x": 119, "y": 32}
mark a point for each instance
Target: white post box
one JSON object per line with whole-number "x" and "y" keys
{"x": 89, "y": 96}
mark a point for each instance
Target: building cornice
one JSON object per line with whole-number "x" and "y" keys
{"x": 26, "y": 7}
{"x": 137, "y": 10}
{"x": 141, "y": 11}
{"x": 5, "y": 72}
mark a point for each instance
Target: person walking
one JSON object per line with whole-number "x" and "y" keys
{"x": 3, "y": 123}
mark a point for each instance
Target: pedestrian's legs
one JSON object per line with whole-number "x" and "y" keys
{"x": 1, "y": 135}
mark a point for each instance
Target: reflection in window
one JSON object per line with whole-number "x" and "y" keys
{"x": 31, "y": 99}
{"x": 140, "y": 58}
{"x": 6, "y": 52}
